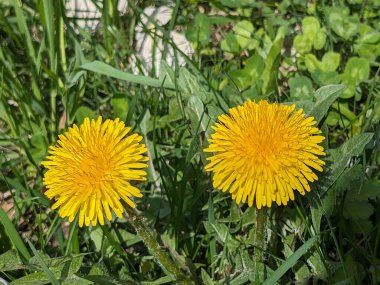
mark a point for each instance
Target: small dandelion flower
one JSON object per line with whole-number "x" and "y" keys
{"x": 90, "y": 169}
{"x": 262, "y": 152}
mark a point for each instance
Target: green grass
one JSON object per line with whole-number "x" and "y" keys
{"x": 53, "y": 73}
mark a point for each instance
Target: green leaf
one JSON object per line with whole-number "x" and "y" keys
{"x": 369, "y": 190}
{"x": 341, "y": 156}
{"x": 250, "y": 74}
{"x": 199, "y": 32}
{"x": 357, "y": 210}
{"x": 357, "y": 70}
{"x": 174, "y": 113}
{"x": 237, "y": 3}
{"x": 326, "y": 78}
{"x": 324, "y": 96}
{"x": 341, "y": 23}
{"x": 10, "y": 261}
{"x": 301, "y": 88}
{"x": 120, "y": 107}
{"x": 13, "y": 234}
{"x": 319, "y": 40}
{"x": 206, "y": 278}
{"x": 310, "y": 27}
{"x": 367, "y": 45}
{"x": 189, "y": 85}
{"x": 243, "y": 32}
{"x": 302, "y": 44}
{"x": 312, "y": 30}
{"x": 330, "y": 61}
{"x": 84, "y": 112}
{"x": 196, "y": 113}
{"x": 230, "y": 43}
{"x": 344, "y": 182}
{"x": 51, "y": 277}
{"x": 76, "y": 280}
{"x": 105, "y": 69}
{"x": 167, "y": 75}
{"x": 36, "y": 278}
{"x": 289, "y": 262}
{"x": 312, "y": 36}
{"x": 312, "y": 63}
{"x": 272, "y": 62}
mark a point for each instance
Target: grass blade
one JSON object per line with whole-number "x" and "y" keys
{"x": 45, "y": 268}
{"x": 290, "y": 262}
{"x": 13, "y": 234}
{"x": 105, "y": 69}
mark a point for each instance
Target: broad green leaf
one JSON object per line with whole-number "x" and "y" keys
{"x": 357, "y": 210}
{"x": 49, "y": 274}
{"x": 367, "y": 45}
{"x": 167, "y": 74}
{"x": 312, "y": 63}
{"x": 369, "y": 190}
{"x": 330, "y": 61}
{"x": 10, "y": 261}
{"x": 302, "y": 44}
{"x": 195, "y": 111}
{"x": 189, "y": 85}
{"x": 250, "y": 74}
{"x": 84, "y": 112}
{"x": 237, "y": 3}
{"x": 174, "y": 113}
{"x": 76, "y": 280}
{"x": 199, "y": 32}
{"x": 36, "y": 278}
{"x": 357, "y": 70}
{"x": 312, "y": 30}
{"x": 312, "y": 36}
{"x": 289, "y": 262}
{"x": 342, "y": 23}
{"x": 243, "y": 32}
{"x": 222, "y": 234}
{"x": 206, "y": 278}
{"x": 324, "y": 96}
{"x": 319, "y": 39}
{"x": 310, "y": 26}
{"x": 120, "y": 107}
{"x": 301, "y": 88}
{"x": 344, "y": 182}
{"x": 230, "y": 43}
{"x": 341, "y": 156}
{"x": 325, "y": 78}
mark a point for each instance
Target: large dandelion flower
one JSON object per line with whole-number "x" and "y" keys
{"x": 263, "y": 152}
{"x": 90, "y": 169}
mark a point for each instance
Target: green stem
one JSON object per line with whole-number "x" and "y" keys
{"x": 261, "y": 215}
{"x": 154, "y": 248}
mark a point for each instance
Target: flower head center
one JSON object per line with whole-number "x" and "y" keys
{"x": 262, "y": 145}
{"x": 95, "y": 167}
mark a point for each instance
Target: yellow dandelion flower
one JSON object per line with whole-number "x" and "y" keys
{"x": 262, "y": 152}
{"x": 90, "y": 169}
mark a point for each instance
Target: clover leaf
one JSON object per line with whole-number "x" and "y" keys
{"x": 313, "y": 36}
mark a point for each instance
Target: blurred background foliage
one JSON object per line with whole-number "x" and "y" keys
{"x": 60, "y": 64}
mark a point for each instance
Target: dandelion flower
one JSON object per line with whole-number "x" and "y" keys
{"x": 263, "y": 152}
{"x": 90, "y": 168}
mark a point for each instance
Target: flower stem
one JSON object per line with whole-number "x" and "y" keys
{"x": 261, "y": 215}
{"x": 154, "y": 248}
